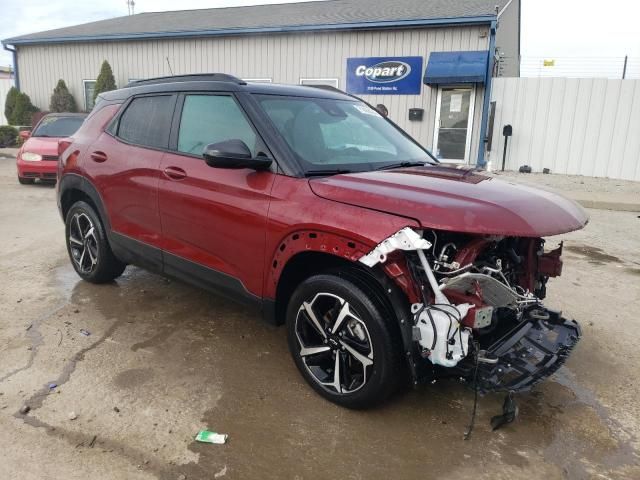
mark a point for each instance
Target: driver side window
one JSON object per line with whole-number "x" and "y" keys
{"x": 210, "y": 119}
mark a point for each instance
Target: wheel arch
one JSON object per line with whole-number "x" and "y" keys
{"x": 305, "y": 253}
{"x": 374, "y": 281}
{"x": 74, "y": 188}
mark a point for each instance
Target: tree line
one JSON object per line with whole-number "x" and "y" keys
{"x": 19, "y": 110}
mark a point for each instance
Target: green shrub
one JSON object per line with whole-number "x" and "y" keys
{"x": 62, "y": 100}
{"x": 105, "y": 81}
{"x": 10, "y": 103}
{"x": 23, "y": 110}
{"x": 8, "y": 136}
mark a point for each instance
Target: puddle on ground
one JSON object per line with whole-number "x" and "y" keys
{"x": 633, "y": 271}
{"x": 280, "y": 428}
{"x": 595, "y": 255}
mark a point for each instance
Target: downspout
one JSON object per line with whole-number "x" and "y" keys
{"x": 15, "y": 65}
{"x": 487, "y": 96}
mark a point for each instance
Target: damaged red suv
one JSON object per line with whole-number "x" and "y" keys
{"x": 307, "y": 204}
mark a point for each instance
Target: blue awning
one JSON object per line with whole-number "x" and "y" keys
{"x": 456, "y": 67}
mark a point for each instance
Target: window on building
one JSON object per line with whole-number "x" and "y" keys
{"x": 89, "y": 87}
{"x": 147, "y": 121}
{"x": 208, "y": 119}
{"x": 331, "y": 82}
{"x": 258, "y": 80}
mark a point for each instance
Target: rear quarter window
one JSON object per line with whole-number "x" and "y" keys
{"x": 147, "y": 121}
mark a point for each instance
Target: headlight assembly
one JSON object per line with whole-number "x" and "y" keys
{"x": 31, "y": 157}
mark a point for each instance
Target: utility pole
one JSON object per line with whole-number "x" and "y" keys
{"x": 130, "y": 6}
{"x": 624, "y": 68}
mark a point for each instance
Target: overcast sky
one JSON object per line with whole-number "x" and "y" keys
{"x": 550, "y": 28}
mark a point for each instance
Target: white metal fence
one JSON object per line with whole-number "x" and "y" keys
{"x": 572, "y": 126}
{"x": 581, "y": 67}
{"x": 5, "y": 85}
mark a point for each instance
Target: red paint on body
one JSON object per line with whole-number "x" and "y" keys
{"x": 490, "y": 206}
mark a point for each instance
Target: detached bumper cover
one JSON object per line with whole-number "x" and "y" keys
{"x": 530, "y": 353}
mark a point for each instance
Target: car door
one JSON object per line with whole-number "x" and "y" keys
{"x": 214, "y": 219}
{"x": 125, "y": 166}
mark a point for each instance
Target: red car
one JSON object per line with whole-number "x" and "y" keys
{"x": 307, "y": 204}
{"x": 38, "y": 156}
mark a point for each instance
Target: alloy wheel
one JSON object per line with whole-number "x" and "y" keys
{"x": 335, "y": 345}
{"x": 83, "y": 243}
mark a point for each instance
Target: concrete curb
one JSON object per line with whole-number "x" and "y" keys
{"x": 604, "y": 205}
{"x": 590, "y": 192}
{"x": 8, "y": 152}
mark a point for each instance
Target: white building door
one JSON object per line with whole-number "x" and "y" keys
{"x": 454, "y": 123}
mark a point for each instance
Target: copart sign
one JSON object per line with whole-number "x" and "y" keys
{"x": 384, "y": 75}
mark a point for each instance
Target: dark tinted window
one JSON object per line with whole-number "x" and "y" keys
{"x": 210, "y": 119}
{"x": 58, "y": 126}
{"x": 147, "y": 121}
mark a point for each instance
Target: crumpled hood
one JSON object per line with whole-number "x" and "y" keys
{"x": 459, "y": 200}
{"x": 41, "y": 145}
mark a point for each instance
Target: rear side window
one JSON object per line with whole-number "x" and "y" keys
{"x": 208, "y": 119}
{"x": 147, "y": 121}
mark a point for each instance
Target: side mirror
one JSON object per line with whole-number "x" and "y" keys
{"x": 25, "y": 134}
{"x": 233, "y": 154}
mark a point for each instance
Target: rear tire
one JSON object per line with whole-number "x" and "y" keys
{"x": 88, "y": 247}
{"x": 350, "y": 335}
{"x": 26, "y": 181}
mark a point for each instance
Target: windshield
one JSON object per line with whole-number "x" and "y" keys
{"x": 339, "y": 135}
{"x": 57, "y": 126}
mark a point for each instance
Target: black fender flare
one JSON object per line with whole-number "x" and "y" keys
{"x": 73, "y": 181}
{"x": 392, "y": 296}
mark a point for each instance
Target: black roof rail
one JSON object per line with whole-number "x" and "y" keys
{"x": 192, "y": 77}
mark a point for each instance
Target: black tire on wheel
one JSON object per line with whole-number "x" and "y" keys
{"x": 362, "y": 384}
{"x": 88, "y": 247}
{"x": 25, "y": 181}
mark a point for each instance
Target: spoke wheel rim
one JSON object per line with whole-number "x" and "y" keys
{"x": 83, "y": 243}
{"x": 334, "y": 343}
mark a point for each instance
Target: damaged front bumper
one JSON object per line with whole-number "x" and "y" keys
{"x": 529, "y": 353}
{"x": 472, "y": 323}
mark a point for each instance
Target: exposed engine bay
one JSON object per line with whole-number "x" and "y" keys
{"x": 476, "y": 305}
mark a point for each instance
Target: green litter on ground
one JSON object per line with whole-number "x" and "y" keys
{"x": 206, "y": 436}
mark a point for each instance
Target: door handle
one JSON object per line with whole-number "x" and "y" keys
{"x": 98, "y": 156}
{"x": 175, "y": 173}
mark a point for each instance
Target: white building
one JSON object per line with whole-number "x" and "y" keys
{"x": 440, "y": 56}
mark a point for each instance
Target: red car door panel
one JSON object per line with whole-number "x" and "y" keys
{"x": 126, "y": 169}
{"x": 214, "y": 217}
{"x": 128, "y": 182}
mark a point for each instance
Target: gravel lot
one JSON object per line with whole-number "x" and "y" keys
{"x": 164, "y": 360}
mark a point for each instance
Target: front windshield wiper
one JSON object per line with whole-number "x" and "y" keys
{"x": 328, "y": 171}
{"x": 403, "y": 165}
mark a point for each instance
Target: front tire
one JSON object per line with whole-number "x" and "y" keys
{"x": 88, "y": 247}
{"x": 342, "y": 342}
{"x": 25, "y": 181}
